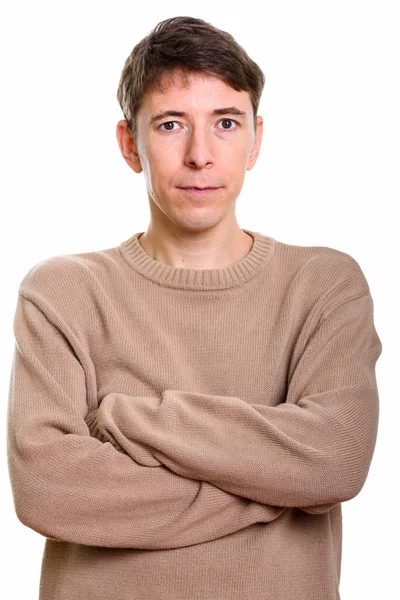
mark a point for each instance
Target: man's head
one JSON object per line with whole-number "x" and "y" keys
{"x": 190, "y": 94}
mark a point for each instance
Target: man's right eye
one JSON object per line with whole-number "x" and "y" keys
{"x": 169, "y": 125}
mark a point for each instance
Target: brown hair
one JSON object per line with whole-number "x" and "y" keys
{"x": 187, "y": 44}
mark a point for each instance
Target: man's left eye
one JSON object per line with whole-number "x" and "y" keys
{"x": 226, "y": 123}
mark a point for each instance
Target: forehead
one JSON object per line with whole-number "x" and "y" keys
{"x": 179, "y": 91}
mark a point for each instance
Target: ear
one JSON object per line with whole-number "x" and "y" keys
{"x": 127, "y": 146}
{"x": 255, "y": 149}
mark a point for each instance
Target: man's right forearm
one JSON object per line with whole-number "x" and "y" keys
{"x": 80, "y": 490}
{"x": 72, "y": 487}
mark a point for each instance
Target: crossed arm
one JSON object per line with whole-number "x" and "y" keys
{"x": 312, "y": 451}
{"x": 69, "y": 486}
{"x": 187, "y": 467}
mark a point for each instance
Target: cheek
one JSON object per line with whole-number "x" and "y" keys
{"x": 165, "y": 165}
{"x": 161, "y": 172}
{"x": 237, "y": 149}
{"x": 234, "y": 160}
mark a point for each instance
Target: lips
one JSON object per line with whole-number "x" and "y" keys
{"x": 196, "y": 187}
{"x": 198, "y": 191}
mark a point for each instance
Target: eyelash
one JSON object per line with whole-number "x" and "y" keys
{"x": 223, "y": 129}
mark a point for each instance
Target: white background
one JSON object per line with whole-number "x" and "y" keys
{"x": 328, "y": 174}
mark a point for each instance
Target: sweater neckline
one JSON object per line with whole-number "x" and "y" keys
{"x": 234, "y": 275}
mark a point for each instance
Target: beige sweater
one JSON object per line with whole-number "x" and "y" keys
{"x": 183, "y": 434}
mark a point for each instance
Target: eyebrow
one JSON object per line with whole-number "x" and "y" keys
{"x": 228, "y": 110}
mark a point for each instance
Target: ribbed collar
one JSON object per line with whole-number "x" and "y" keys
{"x": 200, "y": 279}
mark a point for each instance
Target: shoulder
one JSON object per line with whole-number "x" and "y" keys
{"x": 319, "y": 279}
{"x": 325, "y": 268}
{"x": 67, "y": 287}
{"x": 67, "y": 273}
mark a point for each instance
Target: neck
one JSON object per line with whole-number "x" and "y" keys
{"x": 211, "y": 249}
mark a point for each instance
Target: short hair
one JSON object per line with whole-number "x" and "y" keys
{"x": 189, "y": 45}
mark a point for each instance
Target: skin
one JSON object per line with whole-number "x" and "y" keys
{"x": 198, "y": 149}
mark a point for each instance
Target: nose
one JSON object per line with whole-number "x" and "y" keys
{"x": 199, "y": 153}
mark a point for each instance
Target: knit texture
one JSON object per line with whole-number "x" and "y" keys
{"x": 185, "y": 434}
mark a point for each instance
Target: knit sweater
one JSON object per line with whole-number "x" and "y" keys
{"x": 185, "y": 434}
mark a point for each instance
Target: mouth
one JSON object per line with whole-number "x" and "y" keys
{"x": 198, "y": 191}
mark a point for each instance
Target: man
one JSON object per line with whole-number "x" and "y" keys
{"x": 189, "y": 409}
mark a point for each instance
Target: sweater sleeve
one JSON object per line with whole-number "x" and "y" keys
{"x": 69, "y": 486}
{"x": 311, "y": 451}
